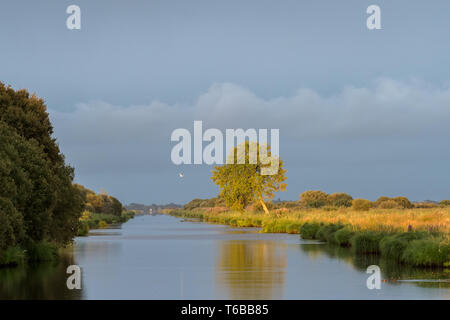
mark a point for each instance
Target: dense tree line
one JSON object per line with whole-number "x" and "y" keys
{"x": 100, "y": 203}
{"x": 38, "y": 201}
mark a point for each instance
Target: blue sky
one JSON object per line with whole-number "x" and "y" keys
{"x": 365, "y": 112}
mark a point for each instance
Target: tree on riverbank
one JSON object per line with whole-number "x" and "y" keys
{"x": 243, "y": 183}
{"x": 38, "y": 202}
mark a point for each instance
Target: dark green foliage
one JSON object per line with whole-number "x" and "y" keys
{"x": 343, "y": 236}
{"x": 42, "y": 252}
{"x": 366, "y": 242}
{"x": 426, "y": 252}
{"x": 13, "y": 256}
{"x": 309, "y": 230}
{"x": 393, "y": 246}
{"x": 326, "y": 232}
{"x": 37, "y": 199}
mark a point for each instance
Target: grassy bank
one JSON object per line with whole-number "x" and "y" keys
{"x": 418, "y": 237}
{"x": 46, "y": 251}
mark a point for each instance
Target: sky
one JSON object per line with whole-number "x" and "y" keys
{"x": 359, "y": 111}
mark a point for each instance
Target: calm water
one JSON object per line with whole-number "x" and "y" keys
{"x": 161, "y": 257}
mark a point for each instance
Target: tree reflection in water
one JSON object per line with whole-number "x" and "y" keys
{"x": 251, "y": 269}
{"x": 38, "y": 281}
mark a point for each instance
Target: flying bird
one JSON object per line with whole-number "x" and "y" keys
{"x": 181, "y": 175}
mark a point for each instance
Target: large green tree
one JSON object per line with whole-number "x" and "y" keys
{"x": 37, "y": 198}
{"x": 242, "y": 182}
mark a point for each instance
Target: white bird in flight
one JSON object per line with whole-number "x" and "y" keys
{"x": 181, "y": 175}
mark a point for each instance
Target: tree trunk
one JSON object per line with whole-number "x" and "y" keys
{"x": 263, "y": 204}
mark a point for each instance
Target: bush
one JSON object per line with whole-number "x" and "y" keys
{"x": 389, "y": 204}
{"x": 309, "y": 230}
{"x": 380, "y": 200}
{"x": 361, "y": 205}
{"x": 393, "y": 203}
{"x": 425, "y": 205}
{"x": 426, "y": 252}
{"x": 343, "y": 236}
{"x": 102, "y": 224}
{"x": 366, "y": 242}
{"x": 42, "y": 251}
{"x": 394, "y": 246}
{"x": 403, "y": 202}
{"x": 340, "y": 200}
{"x": 326, "y": 232}
{"x": 313, "y": 199}
{"x": 445, "y": 203}
{"x": 13, "y": 256}
{"x": 83, "y": 229}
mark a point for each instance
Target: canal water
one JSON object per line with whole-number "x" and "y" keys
{"x": 162, "y": 257}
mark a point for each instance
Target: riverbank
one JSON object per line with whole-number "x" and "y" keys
{"x": 89, "y": 221}
{"x": 45, "y": 251}
{"x": 417, "y": 237}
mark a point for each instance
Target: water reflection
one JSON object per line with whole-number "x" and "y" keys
{"x": 251, "y": 269}
{"x": 392, "y": 272}
{"x": 39, "y": 281}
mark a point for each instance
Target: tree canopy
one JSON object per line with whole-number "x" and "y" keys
{"x": 38, "y": 201}
{"x": 243, "y": 182}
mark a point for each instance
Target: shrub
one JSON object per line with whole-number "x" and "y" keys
{"x": 425, "y": 205}
{"x": 393, "y": 203}
{"x": 426, "y": 252}
{"x": 389, "y": 204}
{"x": 445, "y": 203}
{"x": 403, "y": 202}
{"x": 342, "y": 237}
{"x": 393, "y": 246}
{"x": 13, "y": 256}
{"x": 83, "y": 229}
{"x": 381, "y": 200}
{"x": 102, "y": 224}
{"x": 366, "y": 242}
{"x": 361, "y": 205}
{"x": 326, "y": 232}
{"x": 340, "y": 200}
{"x": 313, "y": 199}
{"x": 42, "y": 251}
{"x": 309, "y": 230}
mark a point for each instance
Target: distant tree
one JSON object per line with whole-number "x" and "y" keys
{"x": 313, "y": 199}
{"x": 403, "y": 202}
{"x": 389, "y": 204}
{"x": 380, "y": 200}
{"x": 361, "y": 204}
{"x": 444, "y": 203}
{"x": 241, "y": 184}
{"x": 340, "y": 199}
